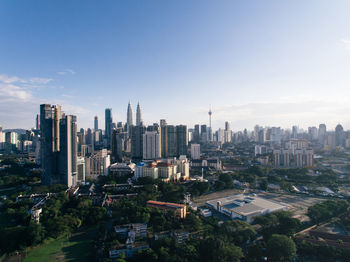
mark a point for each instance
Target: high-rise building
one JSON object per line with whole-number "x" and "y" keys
{"x": 58, "y": 143}
{"x": 138, "y": 115}
{"x": 151, "y": 145}
{"x": 117, "y": 145}
{"x": 181, "y": 140}
{"x": 96, "y": 123}
{"x": 129, "y": 120}
{"x": 164, "y": 138}
{"x": 108, "y": 126}
{"x": 37, "y": 122}
{"x": 67, "y": 164}
{"x": 49, "y": 140}
{"x": 339, "y": 135}
{"x": 195, "y": 151}
{"x": 171, "y": 141}
{"x": 295, "y": 132}
{"x": 204, "y": 133}
{"x": 196, "y": 134}
{"x": 137, "y": 141}
{"x": 322, "y": 133}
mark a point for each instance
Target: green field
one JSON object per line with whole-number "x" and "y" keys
{"x": 78, "y": 248}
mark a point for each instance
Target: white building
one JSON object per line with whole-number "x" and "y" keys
{"x": 97, "y": 164}
{"x": 151, "y": 145}
{"x": 195, "y": 151}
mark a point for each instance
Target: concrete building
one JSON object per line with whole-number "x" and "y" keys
{"x": 97, "y": 164}
{"x": 178, "y": 209}
{"x": 171, "y": 141}
{"x": 164, "y": 138}
{"x": 181, "y": 140}
{"x": 138, "y": 115}
{"x": 58, "y": 144}
{"x": 195, "y": 151}
{"x": 96, "y": 123}
{"x": 244, "y": 207}
{"x": 108, "y": 127}
{"x": 151, "y": 145}
{"x": 129, "y": 119}
{"x": 137, "y": 142}
{"x": 68, "y": 150}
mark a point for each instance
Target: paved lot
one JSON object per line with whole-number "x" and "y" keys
{"x": 298, "y": 204}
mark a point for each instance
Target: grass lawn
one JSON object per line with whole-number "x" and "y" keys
{"x": 77, "y": 248}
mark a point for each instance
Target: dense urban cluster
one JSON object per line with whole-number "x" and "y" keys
{"x": 162, "y": 192}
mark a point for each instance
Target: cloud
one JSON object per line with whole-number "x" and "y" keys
{"x": 345, "y": 43}
{"x": 14, "y": 79}
{"x": 11, "y": 91}
{"x": 66, "y": 71}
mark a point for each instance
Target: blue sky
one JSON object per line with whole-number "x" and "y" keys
{"x": 275, "y": 63}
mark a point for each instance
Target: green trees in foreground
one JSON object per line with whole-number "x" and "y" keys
{"x": 327, "y": 209}
{"x": 281, "y": 248}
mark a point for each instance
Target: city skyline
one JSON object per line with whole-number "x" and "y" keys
{"x": 271, "y": 63}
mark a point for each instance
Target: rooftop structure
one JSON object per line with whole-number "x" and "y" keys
{"x": 179, "y": 210}
{"x": 244, "y": 207}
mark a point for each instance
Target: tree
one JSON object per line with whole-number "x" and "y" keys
{"x": 237, "y": 231}
{"x": 281, "y": 248}
{"x": 263, "y": 184}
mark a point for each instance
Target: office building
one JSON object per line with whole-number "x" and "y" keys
{"x": 58, "y": 143}
{"x": 339, "y": 135}
{"x": 96, "y": 123}
{"x": 129, "y": 119}
{"x": 322, "y": 133}
{"x": 195, "y": 151}
{"x": 181, "y": 140}
{"x": 37, "y": 122}
{"x": 137, "y": 141}
{"x": 138, "y": 115}
{"x": 68, "y": 150}
{"x": 108, "y": 126}
{"x": 171, "y": 141}
{"x": 151, "y": 145}
{"x": 164, "y": 138}
{"x": 196, "y": 134}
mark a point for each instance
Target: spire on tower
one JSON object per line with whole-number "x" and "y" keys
{"x": 138, "y": 114}
{"x": 129, "y": 119}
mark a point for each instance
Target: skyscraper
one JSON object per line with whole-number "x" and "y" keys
{"x": 49, "y": 139}
{"x": 339, "y": 135}
{"x": 108, "y": 126}
{"x": 171, "y": 141}
{"x": 96, "y": 123}
{"x": 322, "y": 133}
{"x": 37, "y": 122}
{"x": 196, "y": 135}
{"x": 137, "y": 141}
{"x": 181, "y": 140}
{"x": 67, "y": 164}
{"x": 138, "y": 115}
{"x": 164, "y": 138}
{"x": 151, "y": 145}
{"x": 58, "y": 143}
{"x": 129, "y": 120}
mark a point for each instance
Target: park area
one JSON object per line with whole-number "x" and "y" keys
{"x": 78, "y": 248}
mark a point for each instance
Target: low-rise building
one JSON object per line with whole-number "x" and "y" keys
{"x": 244, "y": 207}
{"x": 178, "y": 209}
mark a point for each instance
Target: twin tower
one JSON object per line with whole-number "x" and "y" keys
{"x": 129, "y": 119}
